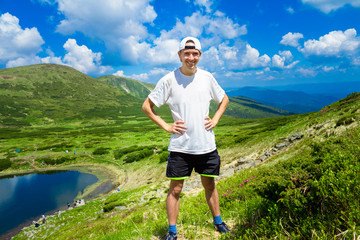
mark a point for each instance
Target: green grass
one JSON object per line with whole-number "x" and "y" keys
{"x": 308, "y": 191}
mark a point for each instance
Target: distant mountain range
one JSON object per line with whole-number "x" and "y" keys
{"x": 49, "y": 93}
{"x": 292, "y": 101}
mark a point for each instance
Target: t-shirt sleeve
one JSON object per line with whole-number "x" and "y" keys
{"x": 217, "y": 93}
{"x": 160, "y": 94}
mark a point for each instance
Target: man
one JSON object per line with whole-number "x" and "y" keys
{"x": 188, "y": 91}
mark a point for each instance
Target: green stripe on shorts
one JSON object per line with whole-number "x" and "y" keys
{"x": 206, "y": 175}
{"x": 178, "y": 178}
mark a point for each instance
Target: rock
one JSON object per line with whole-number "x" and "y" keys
{"x": 121, "y": 207}
{"x": 321, "y": 125}
{"x": 242, "y": 161}
{"x": 266, "y": 155}
{"x": 295, "y": 136}
{"x": 281, "y": 145}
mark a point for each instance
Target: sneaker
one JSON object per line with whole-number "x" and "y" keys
{"x": 222, "y": 228}
{"x": 171, "y": 236}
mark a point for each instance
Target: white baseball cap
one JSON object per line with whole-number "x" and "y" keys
{"x": 195, "y": 40}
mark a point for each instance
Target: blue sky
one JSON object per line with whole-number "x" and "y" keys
{"x": 244, "y": 43}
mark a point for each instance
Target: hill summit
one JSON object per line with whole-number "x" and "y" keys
{"x": 48, "y": 92}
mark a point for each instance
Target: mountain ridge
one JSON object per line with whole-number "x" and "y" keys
{"x": 290, "y": 100}
{"x": 49, "y": 93}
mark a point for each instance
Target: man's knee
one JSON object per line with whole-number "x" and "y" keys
{"x": 208, "y": 183}
{"x": 175, "y": 189}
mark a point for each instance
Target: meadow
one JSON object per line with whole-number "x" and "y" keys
{"x": 272, "y": 186}
{"x": 307, "y": 190}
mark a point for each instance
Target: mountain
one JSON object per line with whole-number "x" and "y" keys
{"x": 287, "y": 177}
{"x": 292, "y": 101}
{"x": 47, "y": 92}
{"x": 244, "y": 107}
{"x": 333, "y": 89}
{"x": 135, "y": 88}
{"x": 50, "y": 93}
{"x": 238, "y": 107}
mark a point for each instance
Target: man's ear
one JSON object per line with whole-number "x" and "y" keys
{"x": 179, "y": 53}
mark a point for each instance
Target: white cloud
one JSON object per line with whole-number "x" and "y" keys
{"x": 211, "y": 60}
{"x": 83, "y": 59}
{"x": 119, "y": 73}
{"x": 228, "y": 53}
{"x": 291, "y": 39}
{"x": 241, "y": 56}
{"x": 155, "y": 74}
{"x": 279, "y": 61}
{"x": 29, "y": 60}
{"x": 327, "y": 6}
{"x": 328, "y": 69}
{"x": 356, "y": 61}
{"x": 290, "y": 10}
{"x": 107, "y": 18}
{"x": 204, "y": 3}
{"x": 120, "y": 24}
{"x": 226, "y": 28}
{"x": 252, "y": 58}
{"x": 15, "y": 41}
{"x": 164, "y": 52}
{"x": 335, "y": 43}
{"x": 307, "y": 72}
{"x": 165, "y": 47}
{"x": 215, "y": 26}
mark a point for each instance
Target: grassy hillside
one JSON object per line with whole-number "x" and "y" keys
{"x": 243, "y": 107}
{"x": 133, "y": 87}
{"x": 47, "y": 94}
{"x": 292, "y": 177}
{"x": 289, "y": 177}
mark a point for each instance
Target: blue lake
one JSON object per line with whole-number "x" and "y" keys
{"x": 27, "y": 197}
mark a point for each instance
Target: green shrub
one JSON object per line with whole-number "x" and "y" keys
{"x": 101, "y": 151}
{"x": 346, "y": 120}
{"x": 121, "y": 152}
{"x": 315, "y": 192}
{"x": 163, "y": 156}
{"x": 138, "y": 155}
{"x": 5, "y": 163}
{"x": 54, "y": 161}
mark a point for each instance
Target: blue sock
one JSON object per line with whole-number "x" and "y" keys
{"x": 172, "y": 228}
{"x": 217, "y": 220}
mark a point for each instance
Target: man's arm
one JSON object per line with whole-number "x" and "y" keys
{"x": 211, "y": 123}
{"x": 177, "y": 127}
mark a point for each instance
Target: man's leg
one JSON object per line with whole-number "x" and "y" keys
{"x": 212, "y": 199}
{"x": 211, "y": 194}
{"x": 172, "y": 201}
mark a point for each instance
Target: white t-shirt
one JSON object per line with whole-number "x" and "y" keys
{"x": 189, "y": 100}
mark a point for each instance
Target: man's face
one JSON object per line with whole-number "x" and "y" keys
{"x": 189, "y": 57}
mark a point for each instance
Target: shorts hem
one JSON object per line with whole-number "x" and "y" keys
{"x": 208, "y": 175}
{"x": 178, "y": 178}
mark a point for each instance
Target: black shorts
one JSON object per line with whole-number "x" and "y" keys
{"x": 180, "y": 165}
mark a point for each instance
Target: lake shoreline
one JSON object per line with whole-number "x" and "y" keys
{"x": 107, "y": 182}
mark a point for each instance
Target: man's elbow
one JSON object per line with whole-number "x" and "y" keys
{"x": 147, "y": 105}
{"x": 144, "y": 106}
{"x": 225, "y": 100}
